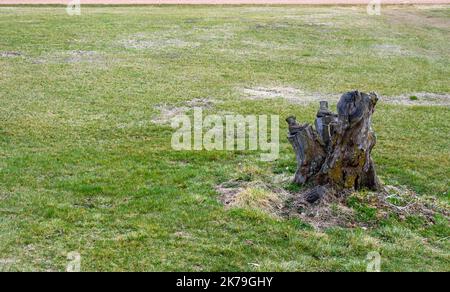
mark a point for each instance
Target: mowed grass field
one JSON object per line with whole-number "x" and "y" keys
{"x": 84, "y": 167}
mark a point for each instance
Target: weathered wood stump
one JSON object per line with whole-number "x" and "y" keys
{"x": 336, "y": 152}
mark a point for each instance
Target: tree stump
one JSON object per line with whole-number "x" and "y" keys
{"x": 336, "y": 152}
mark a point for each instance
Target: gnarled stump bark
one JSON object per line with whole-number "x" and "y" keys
{"x": 337, "y": 151}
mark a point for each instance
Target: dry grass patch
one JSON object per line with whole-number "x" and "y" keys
{"x": 253, "y": 196}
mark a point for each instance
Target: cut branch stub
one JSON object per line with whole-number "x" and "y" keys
{"x": 337, "y": 151}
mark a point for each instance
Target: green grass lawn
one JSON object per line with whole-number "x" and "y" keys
{"x": 83, "y": 168}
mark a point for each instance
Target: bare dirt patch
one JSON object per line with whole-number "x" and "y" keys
{"x": 204, "y": 103}
{"x": 168, "y": 112}
{"x": 182, "y": 235}
{"x": 228, "y": 191}
{"x": 297, "y": 96}
{"x": 10, "y": 54}
{"x": 70, "y": 57}
{"x": 290, "y": 94}
{"x": 420, "y": 98}
{"x": 82, "y": 56}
